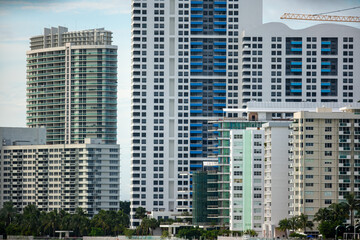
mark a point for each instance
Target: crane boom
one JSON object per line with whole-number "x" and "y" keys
{"x": 314, "y": 17}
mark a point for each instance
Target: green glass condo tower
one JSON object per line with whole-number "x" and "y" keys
{"x": 72, "y": 85}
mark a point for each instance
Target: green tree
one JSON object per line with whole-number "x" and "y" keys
{"x": 303, "y": 221}
{"x": 353, "y": 204}
{"x": 165, "y": 234}
{"x": 103, "y": 220}
{"x": 30, "y": 221}
{"x": 284, "y": 225}
{"x": 129, "y": 232}
{"x": 125, "y": 207}
{"x": 123, "y": 218}
{"x": 122, "y": 222}
{"x": 65, "y": 220}
{"x": 13, "y": 229}
{"x": 251, "y": 232}
{"x": 190, "y": 233}
{"x": 79, "y": 223}
{"x": 96, "y": 231}
{"x": 140, "y": 213}
{"x": 50, "y": 222}
{"x": 339, "y": 211}
{"x": 210, "y": 234}
{"x": 331, "y": 217}
{"x": 7, "y": 213}
{"x": 294, "y": 223}
{"x": 147, "y": 226}
{"x": 322, "y": 214}
{"x": 327, "y": 228}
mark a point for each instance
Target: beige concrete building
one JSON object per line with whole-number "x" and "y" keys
{"x": 326, "y": 158}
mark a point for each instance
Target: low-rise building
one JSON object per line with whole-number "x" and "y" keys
{"x": 59, "y": 176}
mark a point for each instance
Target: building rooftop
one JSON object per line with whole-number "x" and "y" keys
{"x": 291, "y": 107}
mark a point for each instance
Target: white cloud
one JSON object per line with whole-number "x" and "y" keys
{"x": 107, "y": 6}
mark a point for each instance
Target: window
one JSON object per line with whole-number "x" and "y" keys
{"x": 328, "y": 137}
{"x": 328, "y": 177}
{"x": 237, "y": 195}
{"x": 328, "y": 153}
{"x": 237, "y": 136}
{"x": 257, "y": 143}
{"x": 328, "y": 185}
{"x": 327, "y": 129}
{"x": 257, "y": 150}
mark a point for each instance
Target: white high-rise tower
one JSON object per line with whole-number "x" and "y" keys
{"x": 185, "y": 58}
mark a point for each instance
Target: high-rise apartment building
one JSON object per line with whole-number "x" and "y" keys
{"x": 246, "y": 179}
{"x": 57, "y": 176}
{"x": 184, "y": 72}
{"x": 192, "y": 59}
{"x": 316, "y": 64}
{"x": 326, "y": 158}
{"x": 72, "y": 85}
{"x": 277, "y": 203}
{"x": 68, "y": 157}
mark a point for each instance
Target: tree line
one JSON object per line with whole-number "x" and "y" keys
{"x": 33, "y": 222}
{"x": 328, "y": 219}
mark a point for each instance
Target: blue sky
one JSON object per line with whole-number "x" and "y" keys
{"x": 21, "y": 19}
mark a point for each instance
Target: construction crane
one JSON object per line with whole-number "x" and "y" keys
{"x": 322, "y": 16}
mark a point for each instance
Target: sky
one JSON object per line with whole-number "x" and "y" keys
{"x": 21, "y": 19}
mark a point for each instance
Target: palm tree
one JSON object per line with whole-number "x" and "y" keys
{"x": 352, "y": 204}
{"x": 294, "y": 223}
{"x": 101, "y": 220}
{"x": 65, "y": 220}
{"x": 123, "y": 218}
{"x": 79, "y": 222}
{"x": 50, "y": 222}
{"x": 140, "y": 212}
{"x": 284, "y": 225}
{"x": 304, "y": 222}
{"x": 31, "y": 220}
{"x": 339, "y": 211}
{"x": 8, "y": 213}
{"x": 322, "y": 214}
